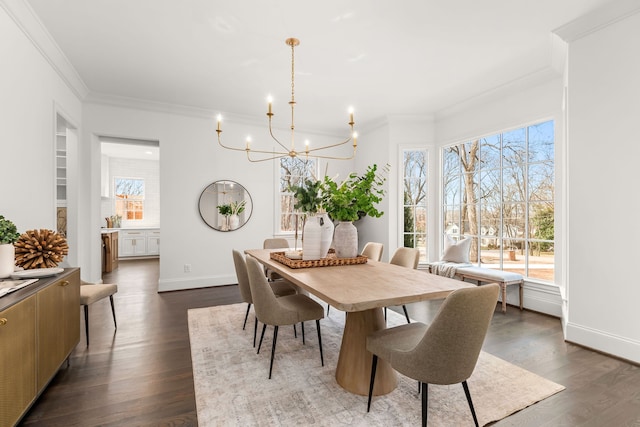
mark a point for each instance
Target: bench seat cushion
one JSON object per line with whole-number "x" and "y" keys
{"x": 490, "y": 274}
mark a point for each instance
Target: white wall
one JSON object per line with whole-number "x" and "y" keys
{"x": 603, "y": 153}
{"x": 32, "y": 93}
{"x": 190, "y": 160}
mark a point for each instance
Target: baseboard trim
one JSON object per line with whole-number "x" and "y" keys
{"x": 604, "y": 342}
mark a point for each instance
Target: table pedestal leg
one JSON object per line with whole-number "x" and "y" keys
{"x": 353, "y": 372}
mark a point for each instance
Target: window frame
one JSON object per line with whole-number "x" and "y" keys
{"x": 526, "y": 240}
{"x": 137, "y": 200}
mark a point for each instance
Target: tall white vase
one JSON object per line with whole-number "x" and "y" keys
{"x": 234, "y": 222}
{"x": 311, "y": 239}
{"x": 326, "y": 235}
{"x": 345, "y": 240}
{"x": 7, "y": 260}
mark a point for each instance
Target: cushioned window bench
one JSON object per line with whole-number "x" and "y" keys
{"x": 489, "y": 275}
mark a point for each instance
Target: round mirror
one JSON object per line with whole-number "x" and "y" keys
{"x": 225, "y": 205}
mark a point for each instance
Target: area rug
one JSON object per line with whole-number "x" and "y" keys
{"x": 232, "y": 386}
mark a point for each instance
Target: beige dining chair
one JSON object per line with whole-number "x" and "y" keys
{"x": 405, "y": 257}
{"x": 372, "y": 250}
{"x": 280, "y": 288}
{"x": 444, "y": 352}
{"x": 286, "y": 310}
{"x": 274, "y": 243}
{"x": 92, "y": 292}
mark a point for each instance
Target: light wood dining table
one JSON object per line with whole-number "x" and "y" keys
{"x": 362, "y": 290}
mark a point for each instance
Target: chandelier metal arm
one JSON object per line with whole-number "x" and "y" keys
{"x": 291, "y": 151}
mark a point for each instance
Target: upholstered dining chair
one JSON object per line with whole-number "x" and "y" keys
{"x": 286, "y": 310}
{"x": 279, "y": 288}
{"x": 372, "y": 250}
{"x": 274, "y": 243}
{"x": 444, "y": 352}
{"x": 92, "y": 292}
{"x": 405, "y": 257}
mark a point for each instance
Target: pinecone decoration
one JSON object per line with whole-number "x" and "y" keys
{"x": 40, "y": 249}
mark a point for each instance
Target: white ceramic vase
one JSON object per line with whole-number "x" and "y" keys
{"x": 7, "y": 260}
{"x": 234, "y": 222}
{"x": 326, "y": 234}
{"x": 311, "y": 239}
{"x": 345, "y": 240}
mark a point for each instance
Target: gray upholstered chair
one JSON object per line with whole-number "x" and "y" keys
{"x": 280, "y": 288}
{"x": 92, "y": 292}
{"x": 371, "y": 250}
{"x": 444, "y": 352}
{"x": 405, "y": 257}
{"x": 286, "y": 310}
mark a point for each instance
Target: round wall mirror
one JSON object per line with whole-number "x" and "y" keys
{"x": 225, "y": 205}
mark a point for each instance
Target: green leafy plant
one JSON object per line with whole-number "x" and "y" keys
{"x": 237, "y": 207}
{"x": 8, "y": 231}
{"x": 225, "y": 210}
{"x": 356, "y": 196}
{"x": 309, "y": 198}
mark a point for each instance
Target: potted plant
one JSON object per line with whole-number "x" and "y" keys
{"x": 236, "y": 209}
{"x": 317, "y": 228}
{"x": 8, "y": 236}
{"x": 354, "y": 198}
{"x": 225, "y": 211}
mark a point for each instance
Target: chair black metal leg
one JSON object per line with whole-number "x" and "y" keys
{"x": 264, "y": 327}
{"x": 255, "y": 332}
{"x": 406, "y": 314}
{"x": 302, "y": 327}
{"x": 385, "y": 314}
{"x": 425, "y": 402}
{"x": 113, "y": 311}
{"x": 295, "y": 331}
{"x": 273, "y": 348}
{"x": 246, "y": 316}
{"x": 86, "y": 323}
{"x": 473, "y": 411}
{"x": 320, "y": 341}
{"x": 374, "y": 365}
{"x": 328, "y": 308}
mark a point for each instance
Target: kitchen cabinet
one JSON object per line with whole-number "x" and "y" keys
{"x": 139, "y": 242}
{"x": 39, "y": 328}
{"x": 110, "y": 248}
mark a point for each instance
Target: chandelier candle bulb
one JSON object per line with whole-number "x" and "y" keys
{"x": 219, "y": 121}
{"x": 269, "y": 101}
{"x": 248, "y": 143}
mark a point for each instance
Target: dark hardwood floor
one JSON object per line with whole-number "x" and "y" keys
{"x": 141, "y": 375}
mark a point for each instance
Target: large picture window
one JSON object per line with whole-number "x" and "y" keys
{"x": 414, "y": 232}
{"x": 293, "y": 172}
{"x": 499, "y": 191}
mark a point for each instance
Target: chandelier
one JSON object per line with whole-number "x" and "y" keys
{"x": 256, "y": 155}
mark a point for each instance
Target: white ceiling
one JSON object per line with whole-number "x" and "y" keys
{"x": 412, "y": 57}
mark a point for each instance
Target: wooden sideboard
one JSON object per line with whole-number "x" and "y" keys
{"x": 110, "y": 250}
{"x": 39, "y": 328}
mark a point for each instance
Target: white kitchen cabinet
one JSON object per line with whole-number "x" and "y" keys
{"x": 139, "y": 242}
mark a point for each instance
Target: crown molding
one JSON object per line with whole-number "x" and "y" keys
{"x": 598, "y": 19}
{"x": 29, "y": 23}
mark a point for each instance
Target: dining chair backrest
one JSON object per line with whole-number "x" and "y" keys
{"x": 373, "y": 250}
{"x": 267, "y": 308}
{"x": 277, "y": 243}
{"x": 406, "y": 257}
{"x": 449, "y": 350}
{"x": 242, "y": 276}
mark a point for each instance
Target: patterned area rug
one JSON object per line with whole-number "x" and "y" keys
{"x": 232, "y": 386}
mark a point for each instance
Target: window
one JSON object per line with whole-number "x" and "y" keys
{"x": 499, "y": 191}
{"x": 415, "y": 201}
{"x": 293, "y": 171}
{"x": 129, "y": 198}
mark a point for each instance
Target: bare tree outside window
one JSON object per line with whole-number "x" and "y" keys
{"x": 499, "y": 191}
{"x": 415, "y": 201}
{"x": 129, "y": 198}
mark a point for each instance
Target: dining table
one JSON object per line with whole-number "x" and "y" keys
{"x": 362, "y": 291}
